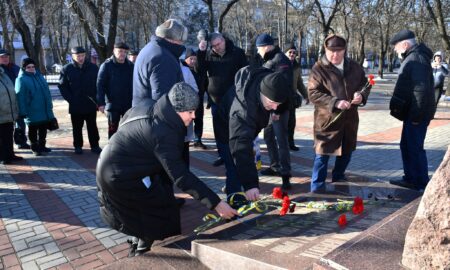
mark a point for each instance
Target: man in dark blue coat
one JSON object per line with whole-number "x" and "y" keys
{"x": 12, "y": 70}
{"x": 157, "y": 68}
{"x": 137, "y": 169}
{"x": 413, "y": 102}
{"x": 115, "y": 86}
{"x": 77, "y": 83}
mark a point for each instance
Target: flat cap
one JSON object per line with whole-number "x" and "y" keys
{"x": 335, "y": 43}
{"x": 121, "y": 45}
{"x": 77, "y": 50}
{"x": 402, "y": 35}
{"x": 4, "y": 52}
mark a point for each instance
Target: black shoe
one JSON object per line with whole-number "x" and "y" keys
{"x": 78, "y": 150}
{"x": 46, "y": 150}
{"x": 342, "y": 179}
{"x": 96, "y": 150}
{"x": 139, "y": 252}
{"x": 293, "y": 147}
{"x": 218, "y": 162}
{"x": 24, "y": 146}
{"x": 132, "y": 249}
{"x": 16, "y": 158}
{"x": 180, "y": 202}
{"x": 199, "y": 144}
{"x": 403, "y": 183}
{"x": 286, "y": 182}
{"x": 5, "y": 162}
{"x": 269, "y": 172}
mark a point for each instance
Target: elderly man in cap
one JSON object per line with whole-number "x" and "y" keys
{"x": 335, "y": 88}
{"x": 299, "y": 92}
{"x": 413, "y": 102}
{"x": 140, "y": 164}
{"x": 132, "y": 55}
{"x": 157, "y": 69}
{"x": 12, "y": 70}
{"x": 77, "y": 84}
{"x": 115, "y": 86}
{"x": 276, "y": 133}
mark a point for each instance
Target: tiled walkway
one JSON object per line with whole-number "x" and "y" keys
{"x": 48, "y": 204}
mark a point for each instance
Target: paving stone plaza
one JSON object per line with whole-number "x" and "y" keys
{"x": 50, "y": 214}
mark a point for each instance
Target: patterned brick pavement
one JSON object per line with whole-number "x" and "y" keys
{"x": 48, "y": 204}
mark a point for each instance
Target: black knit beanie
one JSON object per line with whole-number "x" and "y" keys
{"x": 27, "y": 61}
{"x": 183, "y": 97}
{"x": 274, "y": 86}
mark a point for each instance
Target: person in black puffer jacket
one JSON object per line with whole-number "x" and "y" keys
{"x": 139, "y": 165}
{"x": 413, "y": 102}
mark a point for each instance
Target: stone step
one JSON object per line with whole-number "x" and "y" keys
{"x": 301, "y": 239}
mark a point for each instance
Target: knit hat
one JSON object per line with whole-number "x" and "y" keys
{"x": 335, "y": 43}
{"x": 27, "y": 61}
{"x": 4, "y": 52}
{"x": 77, "y": 50}
{"x": 274, "y": 86}
{"x": 264, "y": 40}
{"x": 172, "y": 29}
{"x": 189, "y": 53}
{"x": 133, "y": 52}
{"x": 290, "y": 46}
{"x": 402, "y": 35}
{"x": 183, "y": 97}
{"x": 121, "y": 45}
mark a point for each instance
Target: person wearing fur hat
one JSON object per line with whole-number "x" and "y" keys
{"x": 276, "y": 133}
{"x": 115, "y": 86}
{"x": 413, "y": 102}
{"x": 141, "y": 162}
{"x": 157, "y": 68}
{"x": 335, "y": 89}
{"x": 35, "y": 104}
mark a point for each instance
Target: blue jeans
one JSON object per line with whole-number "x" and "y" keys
{"x": 415, "y": 164}
{"x": 320, "y": 166}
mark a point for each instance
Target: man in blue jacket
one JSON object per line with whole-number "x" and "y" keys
{"x": 413, "y": 102}
{"x": 157, "y": 68}
{"x": 115, "y": 86}
{"x": 77, "y": 84}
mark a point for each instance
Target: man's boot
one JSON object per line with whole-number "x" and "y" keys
{"x": 286, "y": 182}
{"x": 36, "y": 149}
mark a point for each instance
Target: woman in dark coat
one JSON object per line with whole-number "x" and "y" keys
{"x": 137, "y": 169}
{"x": 334, "y": 87}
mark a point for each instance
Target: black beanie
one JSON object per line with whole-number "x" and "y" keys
{"x": 27, "y": 61}
{"x": 183, "y": 97}
{"x": 274, "y": 86}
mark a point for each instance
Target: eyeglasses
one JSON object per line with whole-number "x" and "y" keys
{"x": 28, "y": 67}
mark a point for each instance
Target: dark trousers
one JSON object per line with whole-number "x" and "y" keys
{"x": 19, "y": 132}
{"x": 276, "y": 137}
{"x": 77, "y": 129}
{"x": 6, "y": 141}
{"x": 198, "y": 121}
{"x": 291, "y": 126}
{"x": 415, "y": 163}
{"x": 37, "y": 135}
{"x": 113, "y": 122}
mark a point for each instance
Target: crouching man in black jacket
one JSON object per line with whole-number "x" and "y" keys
{"x": 137, "y": 169}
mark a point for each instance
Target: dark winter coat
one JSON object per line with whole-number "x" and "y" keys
{"x": 8, "y": 102}
{"x": 34, "y": 98}
{"x": 277, "y": 61}
{"x": 298, "y": 86}
{"x": 221, "y": 69}
{"x": 78, "y": 86}
{"x": 12, "y": 70}
{"x": 247, "y": 118}
{"x": 326, "y": 86}
{"x": 115, "y": 85}
{"x": 156, "y": 70}
{"x": 150, "y": 145}
{"x": 413, "y": 96}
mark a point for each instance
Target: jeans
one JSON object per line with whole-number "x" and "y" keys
{"x": 320, "y": 167}
{"x": 113, "y": 121}
{"x": 198, "y": 121}
{"x": 276, "y": 137}
{"x": 414, "y": 157}
{"x": 77, "y": 129}
{"x": 291, "y": 126}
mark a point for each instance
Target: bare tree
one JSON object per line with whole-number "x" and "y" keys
{"x": 7, "y": 39}
{"x": 322, "y": 16}
{"x": 438, "y": 17}
{"x": 228, "y": 6}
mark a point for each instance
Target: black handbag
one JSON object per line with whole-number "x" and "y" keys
{"x": 53, "y": 124}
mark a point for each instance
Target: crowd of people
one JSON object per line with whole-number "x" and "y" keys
{"x": 154, "y": 103}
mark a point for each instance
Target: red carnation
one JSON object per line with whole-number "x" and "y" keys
{"x": 277, "y": 193}
{"x": 342, "y": 220}
{"x": 371, "y": 82}
{"x": 358, "y": 206}
{"x": 283, "y": 211}
{"x": 370, "y": 76}
{"x": 285, "y": 205}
